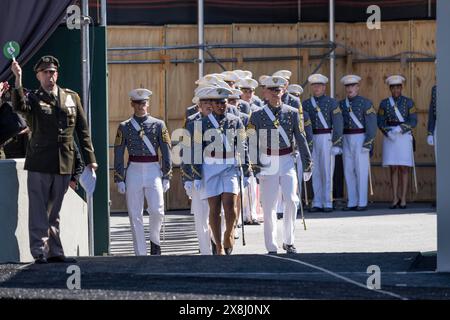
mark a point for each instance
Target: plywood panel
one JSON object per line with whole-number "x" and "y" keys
{"x": 267, "y": 34}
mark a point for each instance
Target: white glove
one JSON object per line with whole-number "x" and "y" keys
{"x": 121, "y": 188}
{"x": 430, "y": 140}
{"x": 365, "y": 150}
{"x": 165, "y": 185}
{"x": 188, "y": 188}
{"x": 197, "y": 184}
{"x": 397, "y": 130}
{"x": 307, "y": 176}
{"x": 335, "y": 151}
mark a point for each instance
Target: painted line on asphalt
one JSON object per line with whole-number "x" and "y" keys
{"x": 331, "y": 273}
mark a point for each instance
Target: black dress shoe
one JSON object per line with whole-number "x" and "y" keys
{"x": 213, "y": 248}
{"x": 61, "y": 259}
{"x": 289, "y": 248}
{"x": 350, "y": 208}
{"x": 328, "y": 210}
{"x": 40, "y": 260}
{"x": 228, "y": 251}
{"x": 279, "y": 215}
{"x": 395, "y": 206}
{"x": 315, "y": 209}
{"x": 255, "y": 222}
{"x": 402, "y": 207}
{"x": 155, "y": 250}
{"x": 247, "y": 223}
{"x": 272, "y": 252}
{"x": 361, "y": 208}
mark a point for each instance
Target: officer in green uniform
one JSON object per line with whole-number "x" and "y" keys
{"x": 55, "y": 115}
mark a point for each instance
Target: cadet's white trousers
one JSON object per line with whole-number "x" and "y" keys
{"x": 144, "y": 179}
{"x": 356, "y": 169}
{"x": 299, "y": 164}
{"x": 286, "y": 179}
{"x": 200, "y": 209}
{"x": 322, "y": 172}
{"x": 250, "y": 199}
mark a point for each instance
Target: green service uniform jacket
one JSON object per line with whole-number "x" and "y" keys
{"x": 53, "y": 122}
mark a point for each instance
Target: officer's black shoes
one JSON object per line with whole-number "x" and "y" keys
{"x": 61, "y": 259}
{"x": 289, "y": 248}
{"x": 155, "y": 250}
{"x": 355, "y": 208}
{"x": 272, "y": 253}
{"x": 402, "y": 207}
{"x": 315, "y": 209}
{"x": 40, "y": 260}
{"x": 361, "y": 208}
{"x": 327, "y": 210}
{"x": 279, "y": 215}
{"x": 255, "y": 222}
{"x": 247, "y": 222}
{"x": 395, "y": 206}
{"x": 213, "y": 248}
{"x": 228, "y": 251}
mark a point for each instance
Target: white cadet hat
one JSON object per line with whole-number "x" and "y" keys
{"x": 350, "y": 79}
{"x": 200, "y": 94}
{"x": 247, "y": 83}
{"x": 317, "y": 78}
{"x": 262, "y": 78}
{"x": 274, "y": 82}
{"x": 295, "y": 89}
{"x": 243, "y": 73}
{"x": 395, "y": 79}
{"x": 207, "y": 79}
{"x": 218, "y": 93}
{"x": 236, "y": 94}
{"x": 230, "y": 76}
{"x": 140, "y": 94}
{"x": 283, "y": 73}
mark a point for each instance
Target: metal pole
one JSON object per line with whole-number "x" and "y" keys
{"x": 201, "y": 39}
{"x": 332, "y": 54}
{"x": 103, "y": 13}
{"x": 86, "y": 74}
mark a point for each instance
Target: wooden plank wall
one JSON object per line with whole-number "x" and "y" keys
{"x": 173, "y": 85}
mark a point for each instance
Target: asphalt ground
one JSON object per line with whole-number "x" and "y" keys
{"x": 335, "y": 253}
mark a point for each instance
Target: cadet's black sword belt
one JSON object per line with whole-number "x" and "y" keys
{"x": 279, "y": 152}
{"x": 321, "y": 131}
{"x": 393, "y": 123}
{"x": 143, "y": 158}
{"x": 354, "y": 131}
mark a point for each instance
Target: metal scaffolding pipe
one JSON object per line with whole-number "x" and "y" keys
{"x": 332, "y": 54}
{"x": 103, "y": 22}
{"x": 201, "y": 39}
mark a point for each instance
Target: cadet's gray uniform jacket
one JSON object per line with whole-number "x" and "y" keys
{"x": 286, "y": 117}
{"x": 365, "y": 112}
{"x": 387, "y": 118}
{"x": 332, "y": 114}
{"x": 290, "y": 100}
{"x": 127, "y": 137}
{"x": 432, "y": 112}
{"x": 226, "y": 122}
{"x": 244, "y": 107}
{"x": 191, "y": 110}
{"x": 186, "y": 166}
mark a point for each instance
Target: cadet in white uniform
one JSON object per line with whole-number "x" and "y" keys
{"x": 327, "y": 125}
{"x": 360, "y": 129}
{"x": 199, "y": 207}
{"x": 142, "y": 135}
{"x": 396, "y": 118}
{"x": 275, "y": 162}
